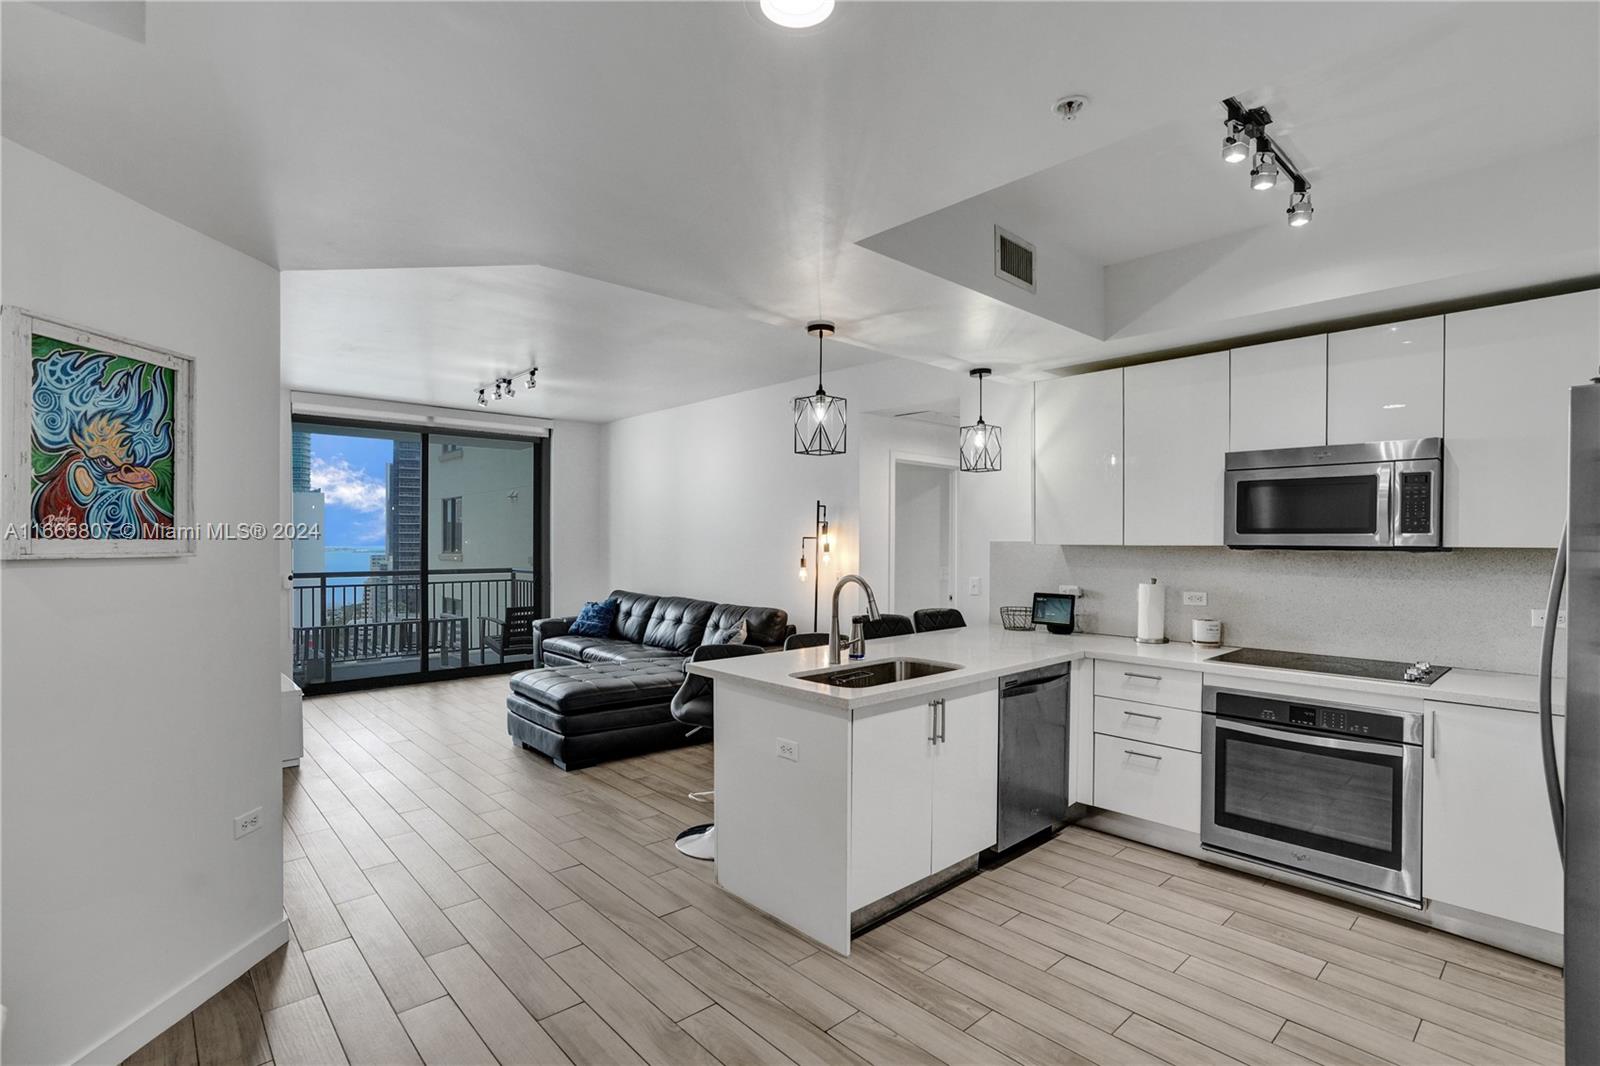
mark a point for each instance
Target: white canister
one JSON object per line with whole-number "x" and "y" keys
{"x": 1207, "y": 632}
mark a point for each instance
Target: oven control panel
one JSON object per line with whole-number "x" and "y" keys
{"x": 1294, "y": 714}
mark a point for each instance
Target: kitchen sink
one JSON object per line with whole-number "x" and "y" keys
{"x": 882, "y": 672}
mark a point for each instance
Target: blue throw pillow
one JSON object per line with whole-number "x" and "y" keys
{"x": 595, "y": 619}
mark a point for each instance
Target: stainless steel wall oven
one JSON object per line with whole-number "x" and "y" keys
{"x": 1329, "y": 790}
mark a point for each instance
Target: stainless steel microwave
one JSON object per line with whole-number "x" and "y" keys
{"x": 1381, "y": 495}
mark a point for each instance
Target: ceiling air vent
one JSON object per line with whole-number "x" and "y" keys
{"x": 1013, "y": 259}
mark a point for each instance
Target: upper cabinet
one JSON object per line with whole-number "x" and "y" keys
{"x": 1387, "y": 382}
{"x": 1078, "y": 459}
{"x": 1278, "y": 395}
{"x": 1508, "y": 369}
{"x": 1174, "y": 437}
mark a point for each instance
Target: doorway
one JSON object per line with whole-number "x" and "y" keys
{"x": 922, "y": 537}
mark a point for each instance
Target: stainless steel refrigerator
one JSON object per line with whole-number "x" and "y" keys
{"x": 1577, "y": 818}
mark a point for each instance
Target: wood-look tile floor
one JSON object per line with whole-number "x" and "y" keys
{"x": 455, "y": 899}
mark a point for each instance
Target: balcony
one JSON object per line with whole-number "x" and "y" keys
{"x": 354, "y": 626}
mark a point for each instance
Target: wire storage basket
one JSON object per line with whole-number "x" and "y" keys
{"x": 1018, "y": 619}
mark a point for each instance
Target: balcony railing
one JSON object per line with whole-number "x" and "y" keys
{"x": 385, "y": 623}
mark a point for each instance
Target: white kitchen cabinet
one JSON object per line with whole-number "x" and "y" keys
{"x": 1386, "y": 382}
{"x": 1167, "y": 686}
{"x": 1487, "y": 842}
{"x": 919, "y": 804}
{"x": 1175, "y": 437}
{"x": 1078, "y": 459}
{"x": 966, "y": 781}
{"x": 1147, "y": 781}
{"x": 1507, "y": 372}
{"x": 1278, "y": 395}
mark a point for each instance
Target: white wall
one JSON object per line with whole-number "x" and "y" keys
{"x": 710, "y": 500}
{"x": 139, "y": 697}
{"x": 997, "y": 506}
{"x": 580, "y": 568}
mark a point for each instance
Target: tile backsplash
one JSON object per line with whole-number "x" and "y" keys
{"x": 1466, "y": 608}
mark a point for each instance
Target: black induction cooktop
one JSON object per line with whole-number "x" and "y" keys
{"x": 1419, "y": 673}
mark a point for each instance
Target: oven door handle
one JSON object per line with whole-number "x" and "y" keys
{"x": 1337, "y": 743}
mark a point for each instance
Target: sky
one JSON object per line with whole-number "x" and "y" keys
{"x": 350, "y": 471}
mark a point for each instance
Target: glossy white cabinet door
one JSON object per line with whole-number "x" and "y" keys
{"x": 1279, "y": 395}
{"x": 1487, "y": 842}
{"x": 1175, "y": 437}
{"x": 966, "y": 778}
{"x": 1077, "y": 425}
{"x": 1386, "y": 382}
{"x": 1507, "y": 372}
{"x": 891, "y": 799}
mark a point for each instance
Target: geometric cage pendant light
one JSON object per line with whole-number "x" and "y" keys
{"x": 819, "y": 419}
{"x": 980, "y": 442}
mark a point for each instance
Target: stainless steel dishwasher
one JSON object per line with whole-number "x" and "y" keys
{"x": 1034, "y": 744}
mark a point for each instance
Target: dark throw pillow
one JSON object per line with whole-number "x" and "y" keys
{"x": 595, "y": 619}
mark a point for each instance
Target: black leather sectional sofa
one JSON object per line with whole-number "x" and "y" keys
{"x": 599, "y": 698}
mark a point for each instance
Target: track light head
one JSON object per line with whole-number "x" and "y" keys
{"x": 1236, "y": 145}
{"x": 497, "y": 393}
{"x": 533, "y": 378}
{"x": 1300, "y": 209}
{"x": 511, "y": 388}
{"x": 1264, "y": 175}
{"x": 483, "y": 401}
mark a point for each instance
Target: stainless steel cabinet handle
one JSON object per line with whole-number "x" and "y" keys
{"x": 943, "y": 720}
{"x": 1143, "y": 754}
{"x": 933, "y": 721}
{"x": 1141, "y": 714}
{"x": 1143, "y": 677}
{"x": 1433, "y": 744}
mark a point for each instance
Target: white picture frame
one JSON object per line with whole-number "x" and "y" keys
{"x": 21, "y": 537}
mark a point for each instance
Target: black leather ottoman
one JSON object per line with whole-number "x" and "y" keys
{"x": 583, "y": 715}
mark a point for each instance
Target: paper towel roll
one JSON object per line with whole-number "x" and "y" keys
{"x": 1152, "y": 613}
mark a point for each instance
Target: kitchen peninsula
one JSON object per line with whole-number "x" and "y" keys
{"x": 835, "y": 804}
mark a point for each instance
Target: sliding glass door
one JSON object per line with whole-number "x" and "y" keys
{"x": 481, "y": 560}
{"x": 428, "y": 554}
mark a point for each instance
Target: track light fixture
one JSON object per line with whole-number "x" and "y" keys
{"x": 505, "y": 388}
{"x": 1247, "y": 138}
{"x": 1264, "y": 175}
{"x": 1236, "y": 145}
{"x": 1299, "y": 209}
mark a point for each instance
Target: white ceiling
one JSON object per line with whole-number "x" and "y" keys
{"x": 603, "y": 351}
{"x": 702, "y": 179}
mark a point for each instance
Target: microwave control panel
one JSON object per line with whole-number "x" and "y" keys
{"x": 1416, "y": 502}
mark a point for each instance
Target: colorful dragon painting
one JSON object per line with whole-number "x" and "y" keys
{"x": 103, "y": 444}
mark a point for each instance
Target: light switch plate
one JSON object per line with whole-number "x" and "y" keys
{"x": 974, "y": 586}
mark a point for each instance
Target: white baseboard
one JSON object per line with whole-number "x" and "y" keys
{"x": 171, "y": 1009}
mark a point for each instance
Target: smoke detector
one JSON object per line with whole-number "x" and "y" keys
{"x": 1069, "y": 107}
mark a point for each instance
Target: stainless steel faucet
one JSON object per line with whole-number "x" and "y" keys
{"x": 836, "y": 641}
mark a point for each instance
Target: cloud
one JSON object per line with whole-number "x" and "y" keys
{"x": 346, "y": 486}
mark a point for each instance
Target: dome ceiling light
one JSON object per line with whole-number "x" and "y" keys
{"x": 1247, "y": 138}
{"x": 797, "y": 14}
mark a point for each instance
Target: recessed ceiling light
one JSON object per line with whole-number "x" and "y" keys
{"x": 797, "y": 14}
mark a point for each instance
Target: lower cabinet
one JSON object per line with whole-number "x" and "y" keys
{"x": 1487, "y": 841}
{"x": 923, "y": 781}
{"x": 1147, "y": 781}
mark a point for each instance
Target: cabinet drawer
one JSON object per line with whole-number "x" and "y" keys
{"x": 1147, "y": 781}
{"x": 1171, "y": 727}
{"x": 1142, "y": 683}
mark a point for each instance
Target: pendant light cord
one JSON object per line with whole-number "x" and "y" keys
{"x": 819, "y": 361}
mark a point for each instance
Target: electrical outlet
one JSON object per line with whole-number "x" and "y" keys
{"x": 974, "y": 586}
{"x": 789, "y": 749}
{"x": 247, "y": 823}
{"x": 1194, "y": 599}
{"x": 1537, "y": 617}
{"x": 1070, "y": 590}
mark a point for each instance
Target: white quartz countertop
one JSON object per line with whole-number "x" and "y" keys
{"x": 982, "y": 653}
